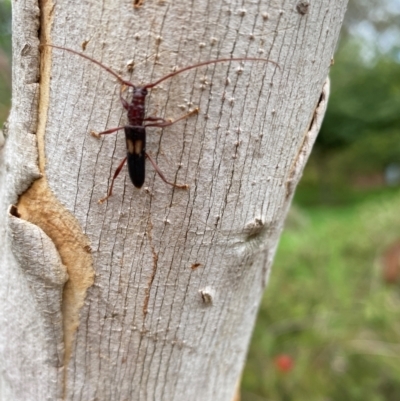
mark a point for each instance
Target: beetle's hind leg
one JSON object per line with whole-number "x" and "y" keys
{"x": 162, "y": 176}
{"x": 117, "y": 171}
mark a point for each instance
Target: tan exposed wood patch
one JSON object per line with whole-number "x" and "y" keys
{"x": 39, "y": 206}
{"x": 138, "y": 3}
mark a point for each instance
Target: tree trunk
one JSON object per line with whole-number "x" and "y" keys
{"x": 153, "y": 294}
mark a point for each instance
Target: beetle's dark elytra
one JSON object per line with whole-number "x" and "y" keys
{"x": 136, "y": 154}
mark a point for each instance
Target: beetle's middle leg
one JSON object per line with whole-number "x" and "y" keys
{"x": 109, "y": 131}
{"x": 166, "y": 123}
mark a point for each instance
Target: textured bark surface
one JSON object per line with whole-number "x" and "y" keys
{"x": 153, "y": 294}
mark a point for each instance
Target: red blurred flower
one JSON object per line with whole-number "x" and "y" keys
{"x": 283, "y": 363}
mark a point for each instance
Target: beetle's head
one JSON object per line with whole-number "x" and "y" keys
{"x": 139, "y": 92}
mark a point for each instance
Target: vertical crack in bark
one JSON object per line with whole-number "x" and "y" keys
{"x": 308, "y": 141}
{"x": 153, "y": 273}
{"x": 39, "y": 206}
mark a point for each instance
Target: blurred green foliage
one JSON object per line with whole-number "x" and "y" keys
{"x": 5, "y": 26}
{"x": 5, "y": 59}
{"x": 360, "y": 136}
{"x": 329, "y": 309}
{"x": 364, "y": 101}
{"x": 327, "y": 306}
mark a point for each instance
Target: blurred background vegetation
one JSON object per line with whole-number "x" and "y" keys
{"x": 5, "y": 59}
{"x": 329, "y": 323}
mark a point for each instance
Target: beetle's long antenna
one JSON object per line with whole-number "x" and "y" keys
{"x": 221, "y": 60}
{"x": 122, "y": 81}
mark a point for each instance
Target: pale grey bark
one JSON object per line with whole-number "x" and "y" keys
{"x": 163, "y": 284}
